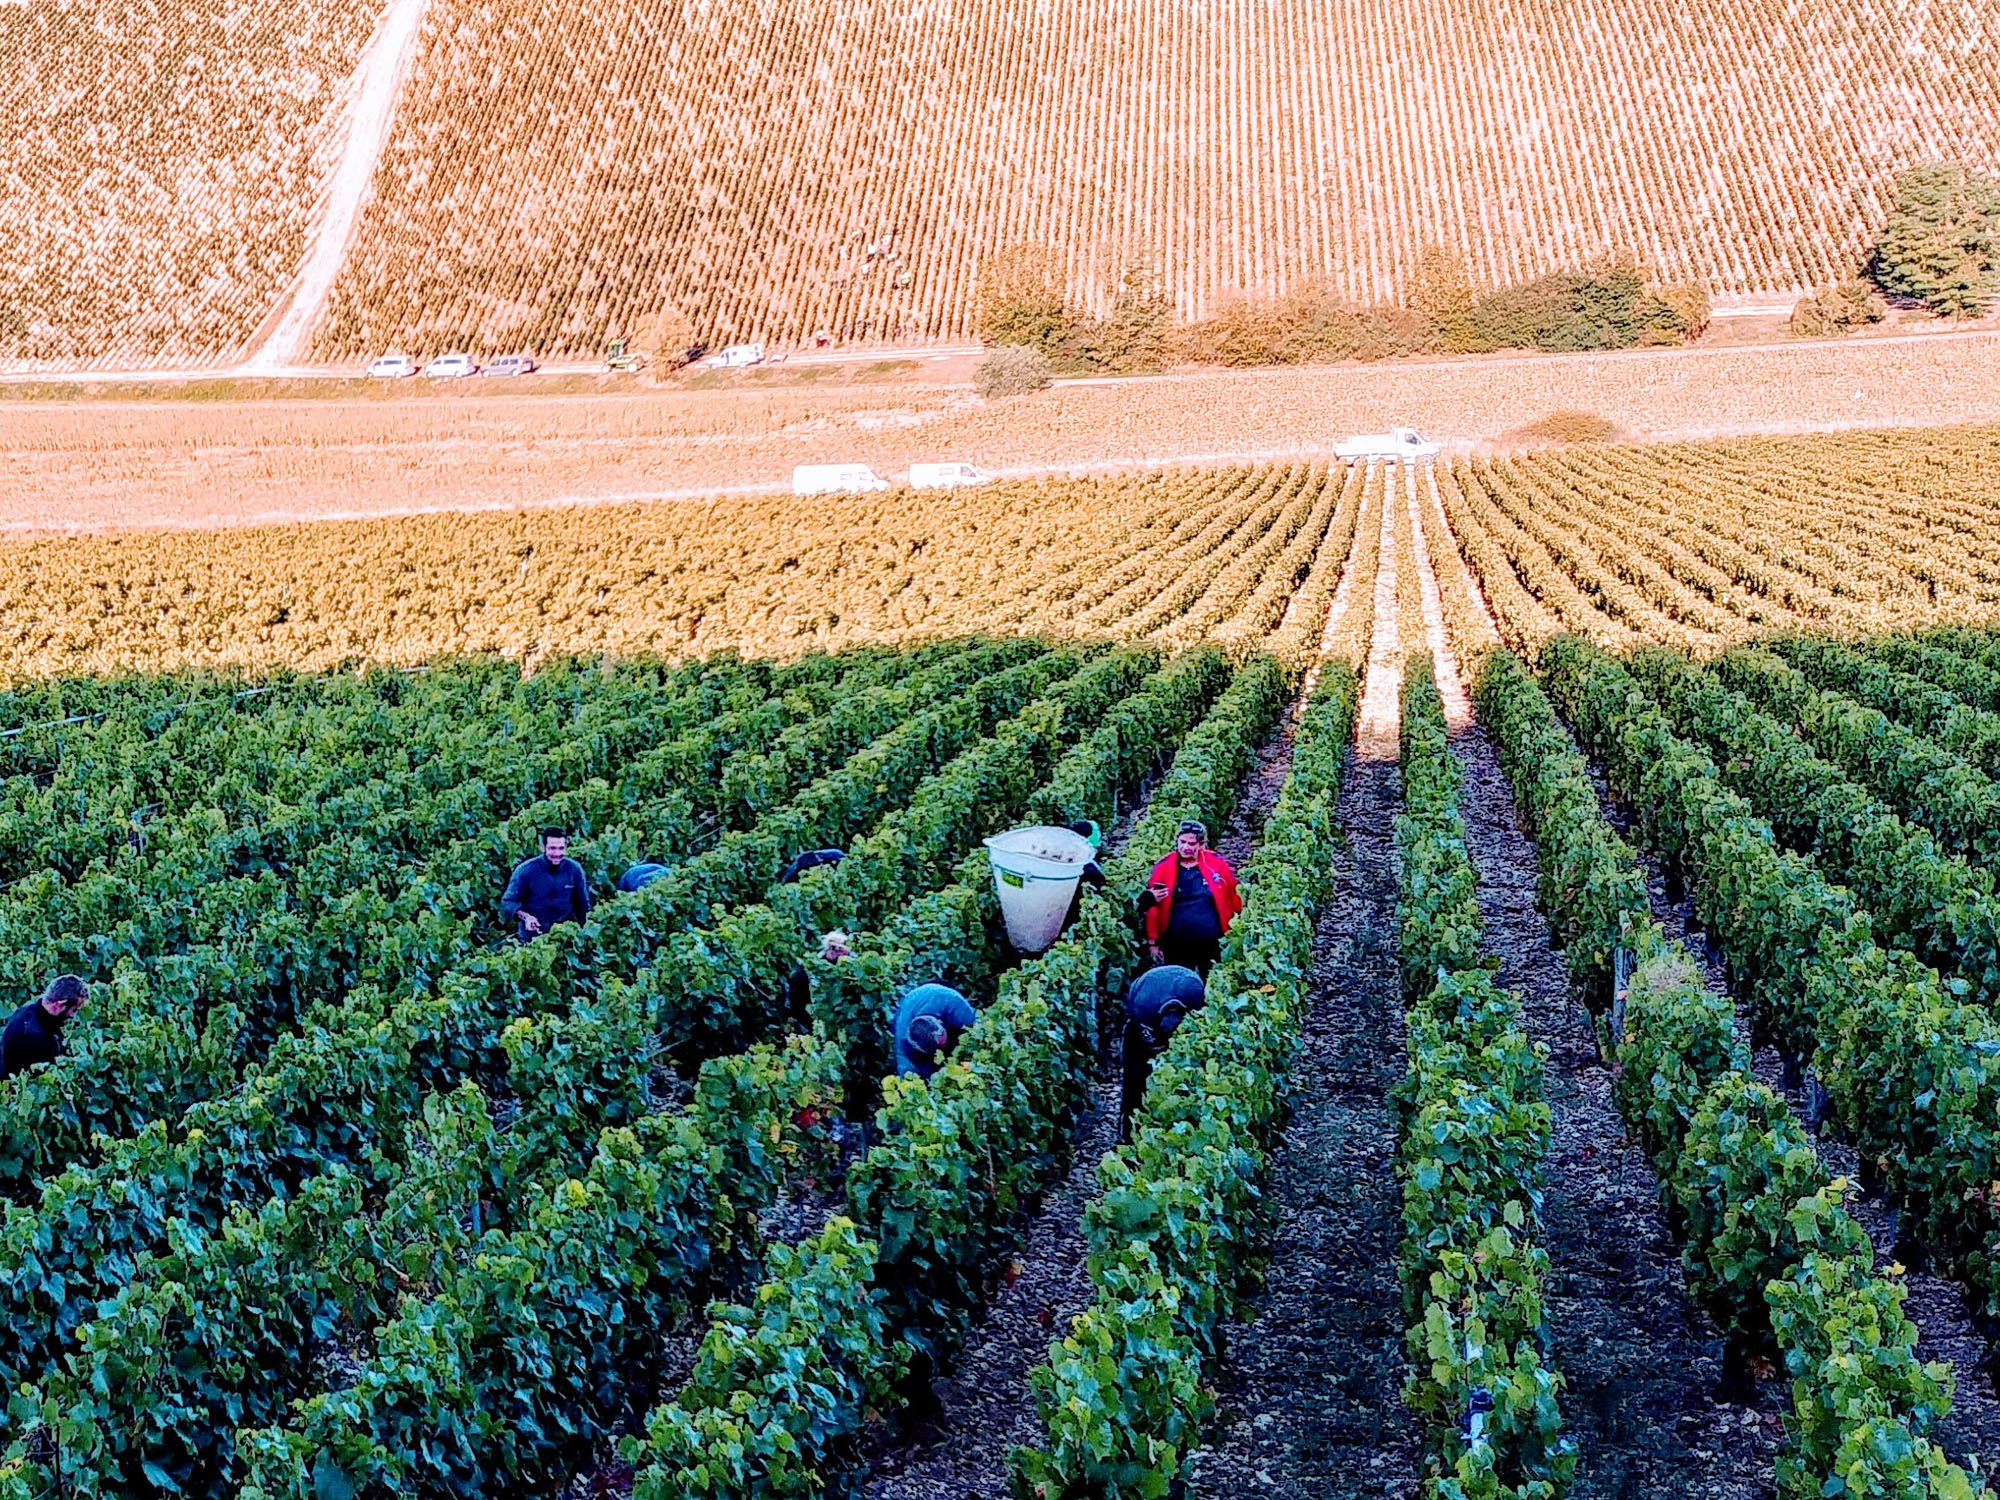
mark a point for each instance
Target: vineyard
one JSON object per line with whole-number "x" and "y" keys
{"x": 163, "y": 160}
{"x": 772, "y": 171}
{"x": 1594, "y": 1097}
{"x": 557, "y": 176}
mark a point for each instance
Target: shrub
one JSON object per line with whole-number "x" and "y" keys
{"x": 1833, "y": 310}
{"x": 1012, "y": 370}
{"x": 1020, "y": 300}
{"x": 1941, "y": 245}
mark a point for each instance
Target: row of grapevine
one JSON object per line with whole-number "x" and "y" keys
{"x": 349, "y": 1091}
{"x": 1770, "y": 1248}
{"x": 774, "y": 171}
{"x": 766, "y": 576}
{"x": 1173, "y": 1233}
{"x": 164, "y": 162}
{"x": 781, "y": 1387}
{"x": 1942, "y": 906}
{"x": 1698, "y": 547}
{"x": 1475, "y": 1133}
{"x": 438, "y": 1371}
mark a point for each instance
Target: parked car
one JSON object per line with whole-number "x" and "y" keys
{"x": 1397, "y": 443}
{"x": 738, "y": 355}
{"x": 946, "y": 476}
{"x": 513, "y": 364}
{"x": 836, "y": 479}
{"x": 450, "y": 367}
{"x": 392, "y": 367}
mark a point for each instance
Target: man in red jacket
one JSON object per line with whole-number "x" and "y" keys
{"x": 1189, "y": 902}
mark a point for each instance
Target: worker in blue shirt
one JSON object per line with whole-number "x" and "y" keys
{"x": 1155, "y": 1006}
{"x": 640, "y": 876}
{"x": 929, "y": 1023}
{"x": 547, "y": 889}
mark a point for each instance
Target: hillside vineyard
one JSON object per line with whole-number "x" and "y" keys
{"x": 162, "y": 158}
{"x": 777, "y": 168}
{"x": 780, "y": 168}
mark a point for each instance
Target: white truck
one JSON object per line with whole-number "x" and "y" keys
{"x": 946, "y": 476}
{"x": 738, "y": 356}
{"x": 1398, "y": 443}
{"x": 836, "y": 479}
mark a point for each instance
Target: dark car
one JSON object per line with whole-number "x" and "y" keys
{"x": 512, "y": 364}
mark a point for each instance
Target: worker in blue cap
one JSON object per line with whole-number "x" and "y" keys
{"x": 1158, "y": 1001}
{"x": 929, "y": 1023}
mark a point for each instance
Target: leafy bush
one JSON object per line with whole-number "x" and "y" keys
{"x": 1941, "y": 244}
{"x": 1840, "y": 308}
{"x": 1012, "y": 370}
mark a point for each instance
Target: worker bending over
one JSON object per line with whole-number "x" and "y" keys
{"x": 929, "y": 1023}
{"x": 1155, "y": 1005}
{"x": 1189, "y": 902}
{"x": 547, "y": 889}
{"x": 34, "y": 1033}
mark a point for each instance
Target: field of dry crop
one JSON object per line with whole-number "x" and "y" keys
{"x": 161, "y": 165}
{"x": 775, "y": 167}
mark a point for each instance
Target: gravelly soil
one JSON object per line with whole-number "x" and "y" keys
{"x": 1310, "y": 1391}
{"x": 986, "y": 1404}
{"x": 1644, "y": 1369}
{"x": 1945, "y": 1326}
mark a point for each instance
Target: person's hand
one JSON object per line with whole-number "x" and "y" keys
{"x": 1158, "y": 890}
{"x": 531, "y": 923}
{"x": 1158, "y": 956}
{"x": 834, "y": 947}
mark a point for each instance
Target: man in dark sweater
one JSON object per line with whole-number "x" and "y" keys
{"x": 547, "y": 889}
{"x": 34, "y": 1034}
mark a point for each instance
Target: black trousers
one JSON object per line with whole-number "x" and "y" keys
{"x": 1142, "y": 1046}
{"x": 1198, "y": 954}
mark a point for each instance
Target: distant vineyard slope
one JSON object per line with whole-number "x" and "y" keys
{"x": 771, "y": 168}
{"x": 161, "y": 162}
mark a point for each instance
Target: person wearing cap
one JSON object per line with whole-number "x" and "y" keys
{"x": 929, "y": 1023}
{"x": 1155, "y": 1005}
{"x": 1093, "y": 874}
{"x": 1189, "y": 902}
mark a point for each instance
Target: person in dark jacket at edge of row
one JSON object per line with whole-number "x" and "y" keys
{"x": 34, "y": 1034}
{"x": 1155, "y": 1005}
{"x": 1189, "y": 901}
{"x": 546, "y": 890}
{"x": 833, "y": 946}
{"x": 1093, "y": 874}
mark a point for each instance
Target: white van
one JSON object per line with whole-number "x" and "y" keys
{"x": 836, "y": 479}
{"x": 738, "y": 355}
{"x": 946, "y": 476}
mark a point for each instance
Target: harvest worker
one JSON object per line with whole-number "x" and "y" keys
{"x": 812, "y": 859}
{"x": 929, "y": 1023}
{"x": 1093, "y": 874}
{"x": 1189, "y": 902}
{"x": 34, "y": 1034}
{"x": 1155, "y": 1005}
{"x": 640, "y": 876}
{"x": 547, "y": 889}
